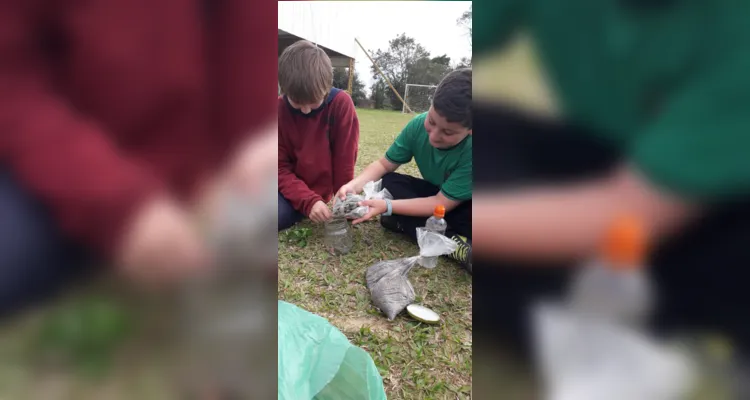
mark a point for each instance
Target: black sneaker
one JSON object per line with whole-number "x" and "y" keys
{"x": 463, "y": 253}
{"x": 390, "y": 223}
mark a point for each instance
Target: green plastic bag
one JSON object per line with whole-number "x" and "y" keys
{"x": 316, "y": 361}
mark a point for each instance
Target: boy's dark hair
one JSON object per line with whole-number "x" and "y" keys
{"x": 305, "y": 72}
{"x": 453, "y": 97}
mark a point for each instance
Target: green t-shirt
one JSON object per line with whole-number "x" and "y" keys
{"x": 450, "y": 169}
{"x": 665, "y": 80}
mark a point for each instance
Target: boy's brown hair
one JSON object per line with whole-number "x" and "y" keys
{"x": 305, "y": 73}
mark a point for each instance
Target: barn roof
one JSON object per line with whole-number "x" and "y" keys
{"x": 317, "y": 22}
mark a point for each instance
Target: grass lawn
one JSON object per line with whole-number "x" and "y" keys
{"x": 96, "y": 343}
{"x": 110, "y": 343}
{"x": 417, "y": 361}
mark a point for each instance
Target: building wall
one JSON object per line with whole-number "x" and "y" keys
{"x": 336, "y": 59}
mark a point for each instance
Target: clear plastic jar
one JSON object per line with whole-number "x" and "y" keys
{"x": 230, "y": 311}
{"x": 338, "y": 236}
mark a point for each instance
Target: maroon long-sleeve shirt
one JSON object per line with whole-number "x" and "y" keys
{"x": 102, "y": 103}
{"x": 317, "y": 151}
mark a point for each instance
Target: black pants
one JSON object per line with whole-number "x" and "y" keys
{"x": 408, "y": 187}
{"x": 702, "y": 275}
{"x": 36, "y": 260}
{"x": 287, "y": 215}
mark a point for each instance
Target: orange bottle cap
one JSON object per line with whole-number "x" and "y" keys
{"x": 625, "y": 243}
{"x": 439, "y": 211}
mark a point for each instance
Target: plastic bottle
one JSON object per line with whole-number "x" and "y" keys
{"x": 596, "y": 347}
{"x": 436, "y": 223}
{"x": 615, "y": 285}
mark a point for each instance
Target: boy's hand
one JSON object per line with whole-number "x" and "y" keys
{"x": 346, "y": 189}
{"x": 320, "y": 212}
{"x": 256, "y": 160}
{"x": 376, "y": 207}
{"x": 162, "y": 244}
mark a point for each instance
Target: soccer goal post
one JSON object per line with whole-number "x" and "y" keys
{"x": 418, "y": 97}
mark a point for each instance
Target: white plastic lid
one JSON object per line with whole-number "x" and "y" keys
{"x": 423, "y": 314}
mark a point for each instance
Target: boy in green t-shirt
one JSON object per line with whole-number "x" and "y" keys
{"x": 439, "y": 141}
{"x": 655, "y": 98}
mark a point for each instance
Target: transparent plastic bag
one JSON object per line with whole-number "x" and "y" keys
{"x": 350, "y": 208}
{"x": 387, "y": 281}
{"x": 584, "y": 358}
{"x": 316, "y": 361}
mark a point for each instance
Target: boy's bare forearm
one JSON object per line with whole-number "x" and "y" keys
{"x": 423, "y": 206}
{"x": 565, "y": 223}
{"x": 373, "y": 172}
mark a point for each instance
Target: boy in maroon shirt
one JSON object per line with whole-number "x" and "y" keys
{"x": 318, "y": 135}
{"x": 114, "y": 115}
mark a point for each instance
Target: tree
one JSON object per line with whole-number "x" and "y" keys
{"x": 465, "y": 62}
{"x": 397, "y": 62}
{"x": 379, "y": 94}
{"x": 406, "y": 61}
{"x": 341, "y": 78}
{"x": 464, "y": 21}
{"x": 358, "y": 90}
{"x": 341, "y": 81}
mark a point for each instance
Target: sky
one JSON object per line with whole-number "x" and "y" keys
{"x": 432, "y": 24}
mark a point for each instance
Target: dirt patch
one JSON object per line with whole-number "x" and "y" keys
{"x": 354, "y": 324}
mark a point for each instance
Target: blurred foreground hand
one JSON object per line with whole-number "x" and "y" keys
{"x": 246, "y": 174}
{"x": 256, "y": 161}
{"x": 162, "y": 245}
{"x": 167, "y": 242}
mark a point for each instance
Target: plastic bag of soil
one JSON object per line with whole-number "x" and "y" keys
{"x": 350, "y": 208}
{"x": 316, "y": 361}
{"x": 387, "y": 281}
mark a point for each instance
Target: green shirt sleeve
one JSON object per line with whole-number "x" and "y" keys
{"x": 401, "y": 151}
{"x": 698, "y": 147}
{"x": 494, "y": 23}
{"x": 459, "y": 185}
